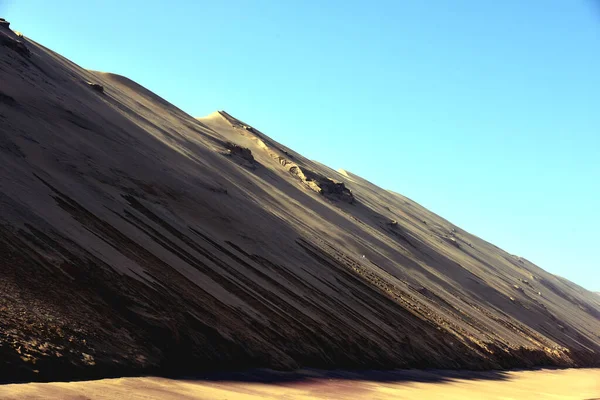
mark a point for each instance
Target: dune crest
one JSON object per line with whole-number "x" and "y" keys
{"x": 137, "y": 239}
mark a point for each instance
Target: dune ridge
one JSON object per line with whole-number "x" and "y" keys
{"x": 138, "y": 239}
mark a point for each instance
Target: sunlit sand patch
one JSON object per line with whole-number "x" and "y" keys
{"x": 543, "y": 384}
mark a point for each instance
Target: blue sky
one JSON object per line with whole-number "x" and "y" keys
{"x": 487, "y": 112}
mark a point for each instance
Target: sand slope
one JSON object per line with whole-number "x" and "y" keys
{"x": 135, "y": 238}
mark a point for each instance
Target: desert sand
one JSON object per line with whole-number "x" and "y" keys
{"x": 136, "y": 240}
{"x": 575, "y": 384}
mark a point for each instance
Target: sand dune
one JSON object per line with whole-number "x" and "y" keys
{"x": 137, "y": 239}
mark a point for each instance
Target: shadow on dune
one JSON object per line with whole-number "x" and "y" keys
{"x": 312, "y": 375}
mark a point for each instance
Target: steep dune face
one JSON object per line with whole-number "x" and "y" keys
{"x": 135, "y": 238}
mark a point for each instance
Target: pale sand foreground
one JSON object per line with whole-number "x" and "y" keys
{"x": 544, "y": 384}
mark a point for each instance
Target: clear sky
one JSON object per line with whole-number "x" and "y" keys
{"x": 487, "y": 112}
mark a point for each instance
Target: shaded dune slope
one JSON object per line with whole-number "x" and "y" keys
{"x": 135, "y": 239}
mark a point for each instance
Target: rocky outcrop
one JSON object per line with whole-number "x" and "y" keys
{"x": 96, "y": 87}
{"x": 14, "y": 45}
{"x": 9, "y": 39}
{"x": 327, "y": 187}
{"x": 242, "y": 154}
